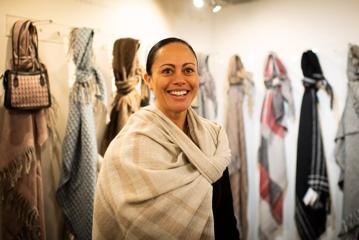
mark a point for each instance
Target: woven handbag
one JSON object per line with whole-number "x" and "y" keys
{"x": 26, "y": 90}
{"x": 27, "y": 85}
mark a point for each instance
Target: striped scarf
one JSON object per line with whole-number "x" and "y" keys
{"x": 312, "y": 186}
{"x": 79, "y": 151}
{"x": 272, "y": 162}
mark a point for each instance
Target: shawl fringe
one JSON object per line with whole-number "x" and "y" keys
{"x": 9, "y": 177}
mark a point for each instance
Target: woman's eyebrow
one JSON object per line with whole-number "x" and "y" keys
{"x": 167, "y": 64}
{"x": 173, "y": 65}
{"x": 189, "y": 63}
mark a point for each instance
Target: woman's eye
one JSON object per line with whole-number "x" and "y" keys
{"x": 167, "y": 71}
{"x": 188, "y": 70}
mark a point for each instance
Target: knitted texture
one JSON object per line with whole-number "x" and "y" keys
{"x": 79, "y": 151}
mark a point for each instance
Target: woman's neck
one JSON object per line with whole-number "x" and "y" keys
{"x": 178, "y": 118}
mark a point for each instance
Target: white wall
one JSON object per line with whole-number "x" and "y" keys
{"x": 289, "y": 28}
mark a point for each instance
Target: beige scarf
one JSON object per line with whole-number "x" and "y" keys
{"x": 241, "y": 85}
{"x": 155, "y": 183}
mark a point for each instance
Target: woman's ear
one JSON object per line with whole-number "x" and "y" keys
{"x": 148, "y": 81}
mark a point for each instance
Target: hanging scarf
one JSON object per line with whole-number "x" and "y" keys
{"x": 312, "y": 186}
{"x": 140, "y": 195}
{"x": 23, "y": 135}
{"x": 272, "y": 162}
{"x": 240, "y": 84}
{"x": 207, "y": 89}
{"x": 347, "y": 152}
{"x": 128, "y": 74}
{"x": 79, "y": 151}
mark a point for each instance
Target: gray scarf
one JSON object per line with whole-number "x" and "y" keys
{"x": 346, "y": 150}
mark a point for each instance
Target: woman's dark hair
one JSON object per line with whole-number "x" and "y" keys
{"x": 152, "y": 54}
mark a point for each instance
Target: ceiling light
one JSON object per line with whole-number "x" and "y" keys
{"x": 198, "y": 3}
{"x": 216, "y": 8}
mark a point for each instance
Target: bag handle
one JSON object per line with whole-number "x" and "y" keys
{"x": 28, "y": 32}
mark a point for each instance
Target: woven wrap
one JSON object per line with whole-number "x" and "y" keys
{"x": 127, "y": 76}
{"x": 272, "y": 161}
{"x": 347, "y": 151}
{"x": 22, "y": 135}
{"x": 240, "y": 86}
{"x": 311, "y": 168}
{"x": 79, "y": 151}
{"x": 155, "y": 183}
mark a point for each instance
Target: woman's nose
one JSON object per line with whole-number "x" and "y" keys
{"x": 179, "y": 78}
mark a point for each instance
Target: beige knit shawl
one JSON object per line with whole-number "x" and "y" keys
{"x": 155, "y": 182}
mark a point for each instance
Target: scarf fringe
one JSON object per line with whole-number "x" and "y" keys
{"x": 83, "y": 92}
{"x": 350, "y": 225}
{"x": 9, "y": 177}
{"x": 25, "y": 213}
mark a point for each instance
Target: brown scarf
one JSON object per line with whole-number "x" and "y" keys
{"x": 22, "y": 134}
{"x": 127, "y": 74}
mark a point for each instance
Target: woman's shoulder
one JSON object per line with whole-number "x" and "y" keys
{"x": 140, "y": 129}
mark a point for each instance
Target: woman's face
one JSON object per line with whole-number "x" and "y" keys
{"x": 174, "y": 79}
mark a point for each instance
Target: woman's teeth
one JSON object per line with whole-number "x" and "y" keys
{"x": 178, "y": 93}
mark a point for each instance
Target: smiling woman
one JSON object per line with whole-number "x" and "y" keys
{"x": 165, "y": 174}
{"x": 173, "y": 77}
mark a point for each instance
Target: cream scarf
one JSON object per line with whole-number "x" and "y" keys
{"x": 155, "y": 182}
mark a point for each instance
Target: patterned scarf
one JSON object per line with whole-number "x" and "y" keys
{"x": 128, "y": 74}
{"x": 240, "y": 85}
{"x": 140, "y": 195}
{"x": 347, "y": 152}
{"x": 79, "y": 151}
{"x": 312, "y": 186}
{"x": 272, "y": 162}
{"x": 207, "y": 89}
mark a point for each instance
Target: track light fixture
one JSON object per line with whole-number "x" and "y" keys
{"x": 216, "y": 8}
{"x": 198, "y": 3}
